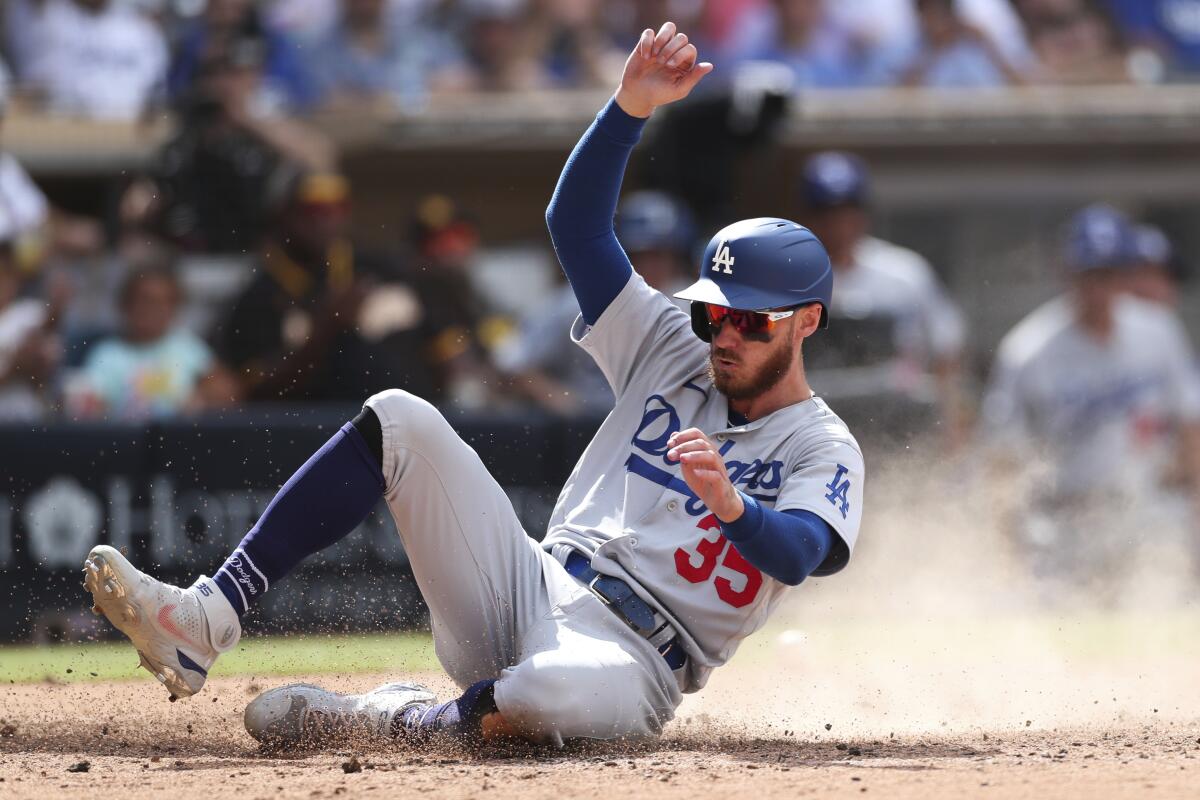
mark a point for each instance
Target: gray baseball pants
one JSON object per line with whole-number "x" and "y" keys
{"x": 500, "y": 606}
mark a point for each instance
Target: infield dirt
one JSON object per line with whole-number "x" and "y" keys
{"x": 134, "y": 743}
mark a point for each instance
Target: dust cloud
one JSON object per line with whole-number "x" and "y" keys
{"x": 949, "y": 620}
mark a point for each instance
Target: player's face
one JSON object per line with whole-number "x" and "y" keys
{"x": 839, "y": 228}
{"x": 1095, "y": 291}
{"x": 743, "y": 366}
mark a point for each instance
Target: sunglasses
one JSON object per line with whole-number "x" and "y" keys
{"x": 754, "y": 324}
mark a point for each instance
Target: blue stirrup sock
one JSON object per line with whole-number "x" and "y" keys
{"x": 322, "y": 502}
{"x": 460, "y": 718}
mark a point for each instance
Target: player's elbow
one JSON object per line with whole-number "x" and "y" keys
{"x": 555, "y": 220}
{"x": 792, "y": 574}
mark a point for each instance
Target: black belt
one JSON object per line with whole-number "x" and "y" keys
{"x": 633, "y": 610}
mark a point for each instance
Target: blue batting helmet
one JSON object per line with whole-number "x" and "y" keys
{"x": 1099, "y": 237}
{"x": 834, "y": 178}
{"x": 758, "y": 265}
{"x": 652, "y": 220}
{"x": 1151, "y": 245}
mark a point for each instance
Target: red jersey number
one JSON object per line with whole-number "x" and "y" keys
{"x": 713, "y": 551}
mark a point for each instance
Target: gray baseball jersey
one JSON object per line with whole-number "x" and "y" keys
{"x": 891, "y": 319}
{"x": 1103, "y": 414}
{"x": 630, "y": 510}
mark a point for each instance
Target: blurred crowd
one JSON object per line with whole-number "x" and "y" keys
{"x": 117, "y": 59}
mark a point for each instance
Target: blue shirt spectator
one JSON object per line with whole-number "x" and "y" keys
{"x": 806, "y": 37}
{"x": 1171, "y": 27}
{"x": 947, "y": 53}
{"x": 369, "y": 53}
{"x": 154, "y": 368}
{"x": 158, "y": 379}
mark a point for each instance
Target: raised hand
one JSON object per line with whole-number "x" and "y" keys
{"x": 660, "y": 70}
{"x": 704, "y": 472}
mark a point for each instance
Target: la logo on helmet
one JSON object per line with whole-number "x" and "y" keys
{"x": 723, "y": 259}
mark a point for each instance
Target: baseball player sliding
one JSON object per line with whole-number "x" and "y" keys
{"x": 717, "y": 482}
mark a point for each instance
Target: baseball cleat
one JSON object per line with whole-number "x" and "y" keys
{"x": 172, "y": 629}
{"x": 301, "y": 714}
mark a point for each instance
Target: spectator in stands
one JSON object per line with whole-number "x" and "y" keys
{"x": 1168, "y": 28}
{"x": 324, "y": 320}
{"x": 462, "y": 327}
{"x": 91, "y": 58}
{"x": 369, "y": 57}
{"x": 28, "y": 222}
{"x": 545, "y": 365}
{"x": 24, "y": 210}
{"x": 1074, "y": 41}
{"x": 306, "y": 20}
{"x": 807, "y": 37}
{"x": 894, "y": 332}
{"x": 30, "y": 347}
{"x": 285, "y": 82}
{"x": 210, "y": 188}
{"x": 576, "y": 48}
{"x": 499, "y": 53}
{"x": 153, "y": 368}
{"x": 948, "y": 52}
{"x": 885, "y": 25}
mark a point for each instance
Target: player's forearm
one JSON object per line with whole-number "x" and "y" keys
{"x": 787, "y": 545}
{"x": 580, "y": 214}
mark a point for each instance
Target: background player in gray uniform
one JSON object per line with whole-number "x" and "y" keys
{"x": 1093, "y": 395}
{"x": 717, "y": 481}
{"x": 897, "y": 333}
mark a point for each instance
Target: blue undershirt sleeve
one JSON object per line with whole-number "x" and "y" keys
{"x": 787, "y": 545}
{"x": 580, "y": 214}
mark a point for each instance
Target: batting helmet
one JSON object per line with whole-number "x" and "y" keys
{"x": 651, "y": 220}
{"x": 1151, "y": 245}
{"x": 833, "y": 179}
{"x": 1099, "y": 237}
{"x": 758, "y": 265}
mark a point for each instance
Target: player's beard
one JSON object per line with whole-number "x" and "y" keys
{"x": 762, "y": 380}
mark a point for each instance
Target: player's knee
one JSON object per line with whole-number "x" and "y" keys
{"x": 408, "y": 418}
{"x": 553, "y": 702}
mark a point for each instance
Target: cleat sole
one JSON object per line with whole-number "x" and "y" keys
{"x": 111, "y": 599}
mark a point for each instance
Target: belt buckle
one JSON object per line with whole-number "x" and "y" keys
{"x": 591, "y": 585}
{"x": 619, "y": 610}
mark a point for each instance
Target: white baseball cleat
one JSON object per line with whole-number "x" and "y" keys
{"x": 307, "y": 715}
{"x": 178, "y": 633}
